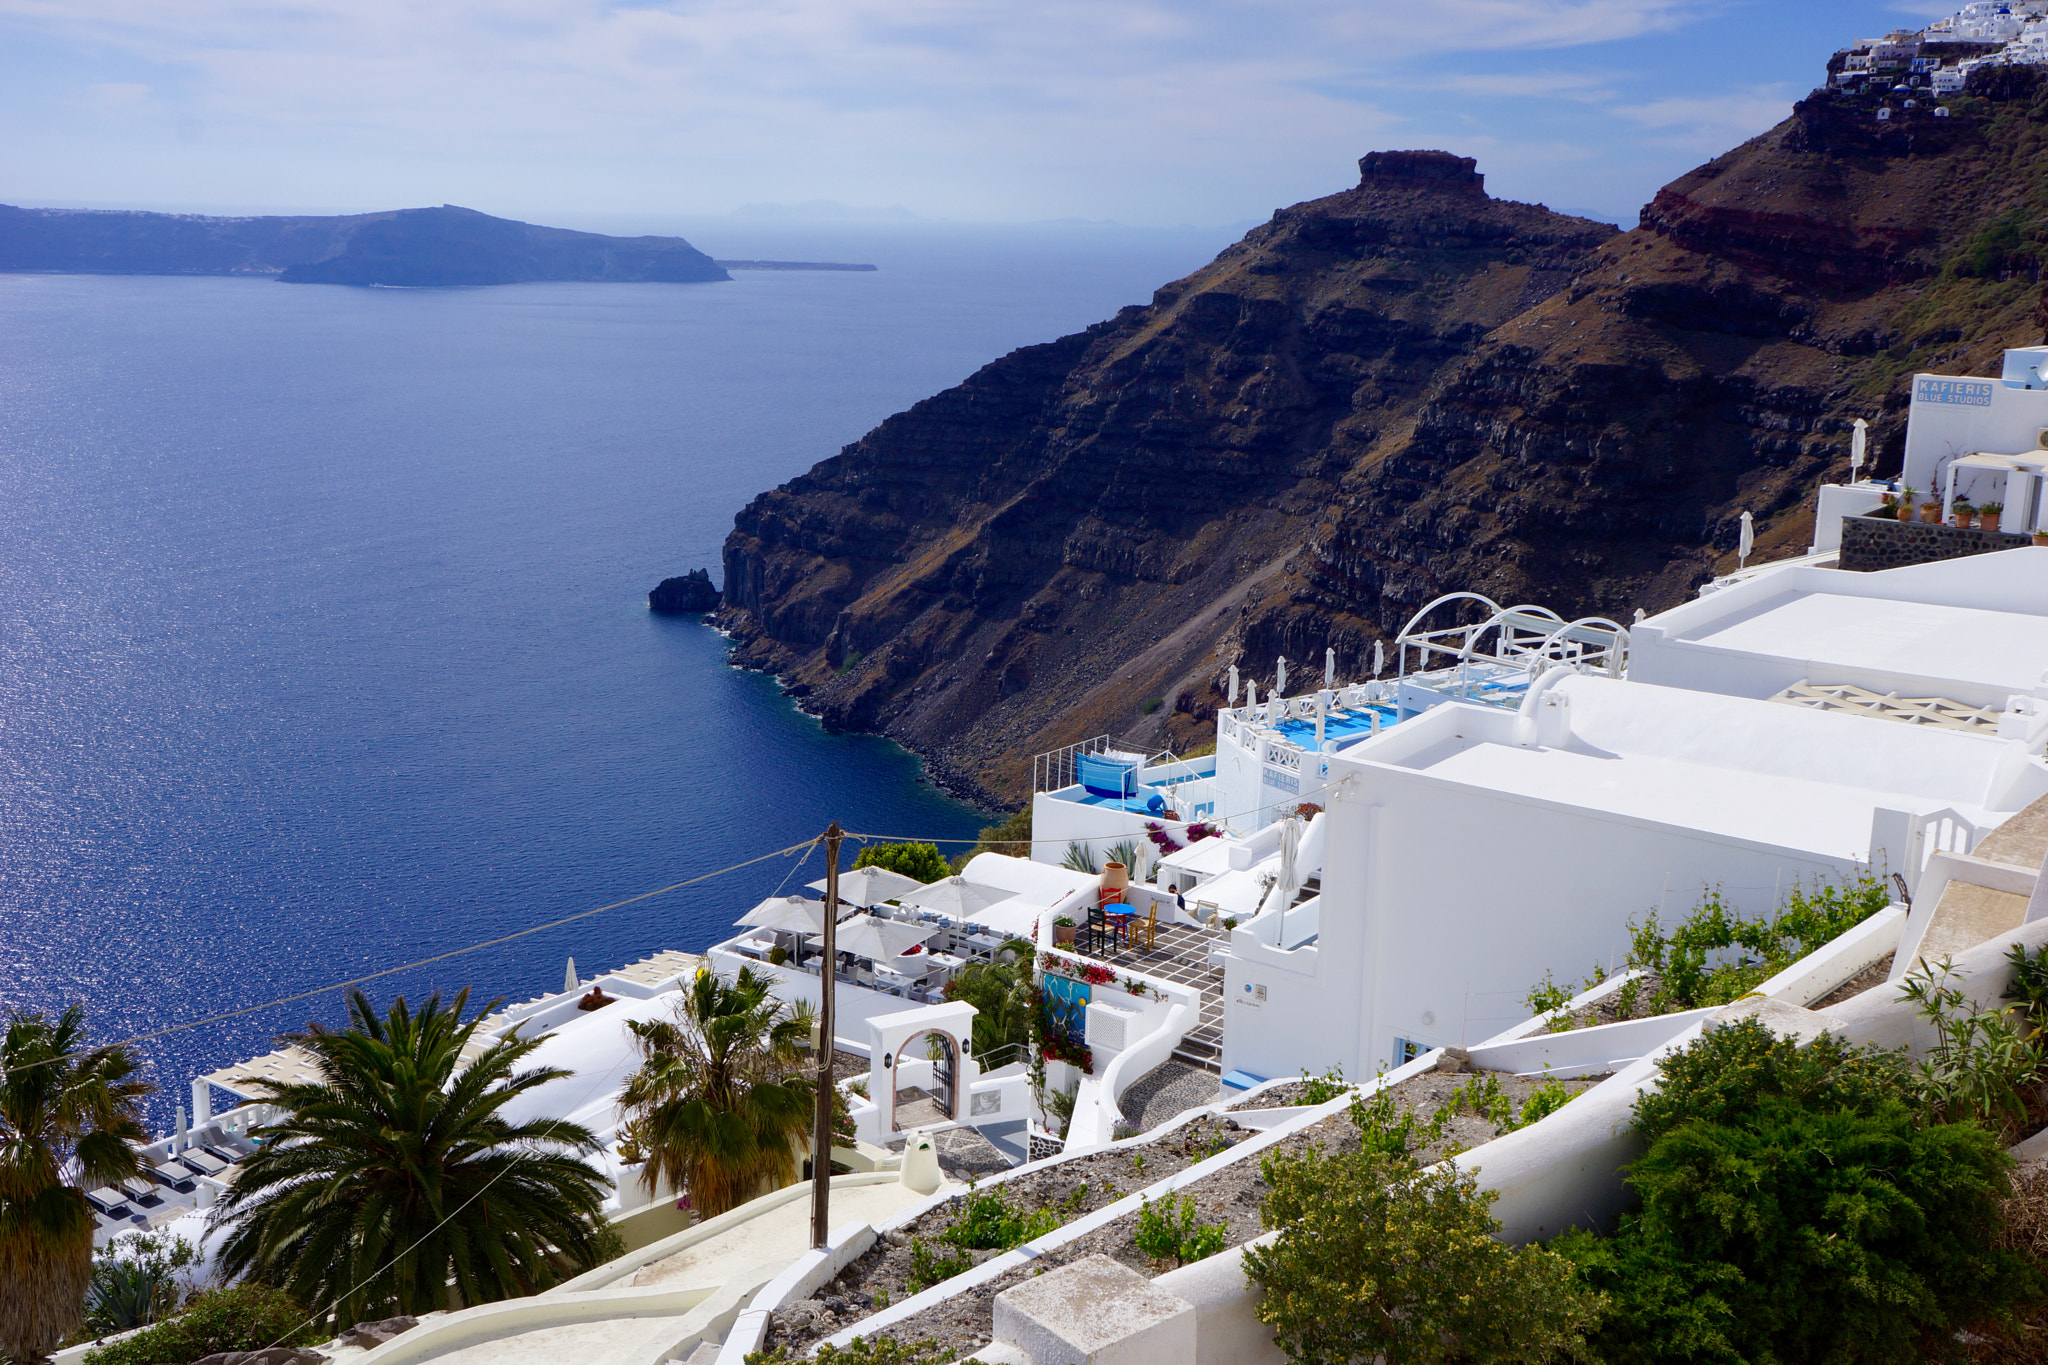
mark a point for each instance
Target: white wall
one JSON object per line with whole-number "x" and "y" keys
{"x": 1950, "y": 417}
{"x": 1442, "y": 906}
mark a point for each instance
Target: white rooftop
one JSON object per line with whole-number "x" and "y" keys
{"x": 1728, "y": 766}
{"x": 1971, "y": 630}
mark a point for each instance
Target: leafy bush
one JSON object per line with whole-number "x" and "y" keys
{"x": 1377, "y": 1258}
{"x": 1324, "y": 1088}
{"x": 1386, "y": 1129}
{"x": 135, "y": 1282}
{"x": 861, "y": 1351}
{"x": 1167, "y": 1232}
{"x": 921, "y": 861}
{"x": 928, "y": 1267}
{"x": 244, "y": 1317}
{"x": 1012, "y": 836}
{"x": 1714, "y": 955}
{"x": 1983, "y": 1063}
{"x": 1795, "y": 1208}
{"x": 990, "y": 1223}
{"x": 1544, "y": 1100}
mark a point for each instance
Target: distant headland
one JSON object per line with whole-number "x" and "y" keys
{"x": 405, "y": 247}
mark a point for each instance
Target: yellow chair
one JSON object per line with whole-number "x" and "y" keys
{"x": 1149, "y": 927}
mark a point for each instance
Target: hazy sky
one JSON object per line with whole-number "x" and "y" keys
{"x": 1144, "y": 111}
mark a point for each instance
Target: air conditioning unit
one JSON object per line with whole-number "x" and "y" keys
{"x": 1107, "y": 1027}
{"x": 2041, "y": 439}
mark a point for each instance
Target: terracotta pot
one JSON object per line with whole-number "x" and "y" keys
{"x": 1063, "y": 934}
{"x": 1115, "y": 877}
{"x": 1905, "y": 511}
{"x": 2041, "y": 537}
{"x": 1930, "y": 513}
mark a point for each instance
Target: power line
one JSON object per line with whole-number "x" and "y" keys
{"x": 429, "y": 961}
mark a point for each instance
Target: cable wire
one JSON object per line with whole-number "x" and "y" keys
{"x": 429, "y": 961}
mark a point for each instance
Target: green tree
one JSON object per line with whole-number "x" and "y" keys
{"x": 1796, "y": 1208}
{"x": 65, "y": 1109}
{"x": 1001, "y": 993}
{"x": 1011, "y": 837}
{"x": 396, "y": 1173}
{"x": 922, "y": 861}
{"x": 722, "y": 1098}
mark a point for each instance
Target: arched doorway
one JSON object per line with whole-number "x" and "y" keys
{"x": 930, "y": 1092}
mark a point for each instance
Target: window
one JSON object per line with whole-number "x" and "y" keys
{"x": 1407, "y": 1050}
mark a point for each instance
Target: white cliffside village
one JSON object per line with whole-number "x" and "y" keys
{"x": 1939, "y": 58}
{"x": 1377, "y": 862}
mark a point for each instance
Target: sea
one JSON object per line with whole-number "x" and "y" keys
{"x": 324, "y": 645}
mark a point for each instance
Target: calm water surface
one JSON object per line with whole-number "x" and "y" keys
{"x": 323, "y": 636}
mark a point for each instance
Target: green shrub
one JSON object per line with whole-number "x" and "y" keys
{"x": 1983, "y": 1062}
{"x": 921, "y": 861}
{"x": 1012, "y": 837}
{"x": 990, "y": 1223}
{"x": 928, "y": 1267}
{"x": 861, "y": 1351}
{"x": 135, "y": 1282}
{"x": 1324, "y": 1088}
{"x": 1545, "y": 1099}
{"x": 1386, "y": 1129}
{"x": 1795, "y": 1208}
{"x": 1378, "y": 1258}
{"x": 243, "y": 1317}
{"x": 1714, "y": 955}
{"x": 1173, "y": 1232}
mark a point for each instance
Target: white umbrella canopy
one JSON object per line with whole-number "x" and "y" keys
{"x": 956, "y": 896}
{"x": 793, "y": 913}
{"x": 871, "y": 886}
{"x": 878, "y": 939}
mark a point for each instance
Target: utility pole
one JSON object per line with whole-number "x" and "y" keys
{"x": 828, "y": 969}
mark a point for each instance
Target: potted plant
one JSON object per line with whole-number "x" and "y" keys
{"x": 1988, "y": 515}
{"x": 2041, "y": 537}
{"x": 1905, "y": 502}
{"x": 1930, "y": 512}
{"x": 1966, "y": 514}
{"x": 1063, "y": 928}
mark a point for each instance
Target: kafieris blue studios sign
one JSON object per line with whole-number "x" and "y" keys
{"x": 1962, "y": 393}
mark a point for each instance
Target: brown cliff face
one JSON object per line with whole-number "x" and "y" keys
{"x": 1397, "y": 391}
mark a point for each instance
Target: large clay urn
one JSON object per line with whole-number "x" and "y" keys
{"x": 1115, "y": 877}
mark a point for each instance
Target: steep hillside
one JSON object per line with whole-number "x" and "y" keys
{"x": 1379, "y": 396}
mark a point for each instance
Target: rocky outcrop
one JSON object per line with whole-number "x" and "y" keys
{"x": 693, "y": 592}
{"x": 415, "y": 247}
{"x": 1393, "y": 392}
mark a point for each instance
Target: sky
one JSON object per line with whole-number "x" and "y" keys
{"x": 1145, "y": 112}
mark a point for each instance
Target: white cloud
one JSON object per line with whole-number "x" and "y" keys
{"x": 1712, "y": 123}
{"x": 955, "y": 106}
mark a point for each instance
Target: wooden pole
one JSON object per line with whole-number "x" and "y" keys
{"x": 828, "y": 967}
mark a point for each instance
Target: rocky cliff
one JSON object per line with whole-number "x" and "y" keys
{"x": 443, "y": 246}
{"x": 1393, "y": 392}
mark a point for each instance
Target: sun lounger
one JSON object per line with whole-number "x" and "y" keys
{"x": 202, "y": 1161}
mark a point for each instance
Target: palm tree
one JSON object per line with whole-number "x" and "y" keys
{"x": 394, "y": 1184}
{"x": 64, "y": 1110}
{"x": 721, "y": 1097}
{"x": 1001, "y": 991}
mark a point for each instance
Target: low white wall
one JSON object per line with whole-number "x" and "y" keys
{"x": 1227, "y": 1326}
{"x": 1247, "y": 1150}
{"x": 1585, "y": 1051}
{"x": 810, "y": 1271}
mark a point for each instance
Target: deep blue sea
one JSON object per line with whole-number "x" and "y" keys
{"x": 323, "y": 630}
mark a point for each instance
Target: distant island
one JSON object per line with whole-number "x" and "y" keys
{"x": 414, "y": 248}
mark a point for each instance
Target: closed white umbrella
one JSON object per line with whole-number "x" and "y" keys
{"x": 1379, "y": 657}
{"x": 797, "y": 914}
{"x": 1280, "y": 675}
{"x": 871, "y": 886}
{"x": 1856, "y": 449}
{"x": 569, "y": 981}
{"x": 878, "y": 939}
{"x": 956, "y": 896}
{"x": 1748, "y": 542}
